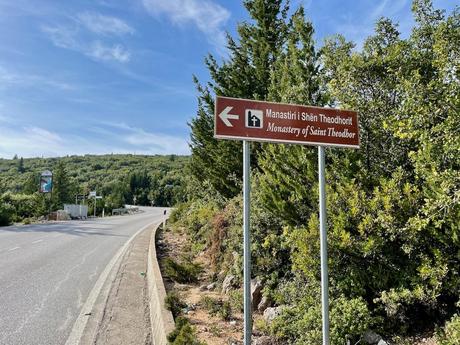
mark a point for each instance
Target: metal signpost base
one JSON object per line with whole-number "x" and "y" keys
{"x": 247, "y": 244}
{"x": 323, "y": 244}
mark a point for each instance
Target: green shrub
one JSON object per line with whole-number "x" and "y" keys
{"x": 174, "y": 303}
{"x": 217, "y": 307}
{"x": 183, "y": 334}
{"x": 27, "y": 205}
{"x": 261, "y": 325}
{"x": 180, "y": 323}
{"x": 6, "y": 213}
{"x": 300, "y": 324}
{"x": 182, "y": 273}
{"x": 215, "y": 330}
{"x": 212, "y": 305}
{"x": 451, "y": 334}
{"x": 177, "y": 213}
{"x": 236, "y": 300}
{"x": 349, "y": 318}
{"x": 226, "y": 311}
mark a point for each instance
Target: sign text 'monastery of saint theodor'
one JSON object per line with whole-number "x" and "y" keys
{"x": 243, "y": 119}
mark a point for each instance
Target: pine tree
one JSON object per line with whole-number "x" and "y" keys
{"x": 21, "y": 168}
{"x": 246, "y": 74}
{"x": 61, "y": 185}
{"x": 289, "y": 171}
{"x": 139, "y": 185}
{"x": 31, "y": 183}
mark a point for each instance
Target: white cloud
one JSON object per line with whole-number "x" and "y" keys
{"x": 145, "y": 141}
{"x": 8, "y": 78}
{"x": 42, "y": 135}
{"x": 62, "y": 36}
{"x": 388, "y": 8}
{"x": 104, "y": 25}
{"x": 105, "y": 53}
{"x": 74, "y": 36}
{"x": 28, "y": 141}
{"x": 206, "y": 15}
{"x": 68, "y": 38}
{"x": 35, "y": 141}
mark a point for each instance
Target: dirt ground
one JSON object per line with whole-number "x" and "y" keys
{"x": 210, "y": 329}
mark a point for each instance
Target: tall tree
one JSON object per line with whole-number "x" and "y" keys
{"x": 21, "y": 168}
{"x": 289, "y": 170}
{"x": 139, "y": 187}
{"x": 62, "y": 188}
{"x": 246, "y": 74}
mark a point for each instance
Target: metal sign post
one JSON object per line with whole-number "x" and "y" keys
{"x": 244, "y": 119}
{"x": 95, "y": 196}
{"x": 247, "y": 243}
{"x": 46, "y": 186}
{"x": 323, "y": 244}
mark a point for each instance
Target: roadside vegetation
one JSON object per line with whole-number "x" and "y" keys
{"x": 120, "y": 179}
{"x": 204, "y": 314}
{"x": 393, "y": 205}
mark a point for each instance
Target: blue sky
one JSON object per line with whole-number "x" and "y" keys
{"x": 103, "y": 76}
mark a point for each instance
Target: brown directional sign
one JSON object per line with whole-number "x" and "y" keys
{"x": 244, "y": 119}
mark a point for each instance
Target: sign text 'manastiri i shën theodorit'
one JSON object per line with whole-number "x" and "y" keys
{"x": 286, "y": 123}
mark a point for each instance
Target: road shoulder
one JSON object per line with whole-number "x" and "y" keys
{"x": 122, "y": 315}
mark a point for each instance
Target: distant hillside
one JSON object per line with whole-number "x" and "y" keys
{"x": 89, "y": 170}
{"x": 120, "y": 178}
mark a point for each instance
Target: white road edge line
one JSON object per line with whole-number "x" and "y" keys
{"x": 80, "y": 324}
{"x": 37, "y": 241}
{"x": 10, "y": 250}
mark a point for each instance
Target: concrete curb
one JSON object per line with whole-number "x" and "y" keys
{"x": 84, "y": 328}
{"x": 161, "y": 319}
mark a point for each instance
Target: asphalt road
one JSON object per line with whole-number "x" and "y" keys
{"x": 48, "y": 270}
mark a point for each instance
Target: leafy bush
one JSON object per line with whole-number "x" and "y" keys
{"x": 17, "y": 207}
{"x": 174, "y": 303}
{"x": 350, "y": 318}
{"x": 183, "y": 334}
{"x": 217, "y": 307}
{"x": 451, "y": 334}
{"x": 178, "y": 212}
{"x": 6, "y": 213}
{"x": 182, "y": 273}
{"x": 236, "y": 300}
{"x": 300, "y": 321}
{"x": 226, "y": 311}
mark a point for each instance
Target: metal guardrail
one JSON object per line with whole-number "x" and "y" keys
{"x": 119, "y": 211}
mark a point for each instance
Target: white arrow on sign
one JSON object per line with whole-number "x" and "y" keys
{"x": 225, "y": 116}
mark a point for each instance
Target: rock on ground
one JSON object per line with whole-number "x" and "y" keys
{"x": 264, "y": 304}
{"x": 271, "y": 313}
{"x": 264, "y": 340}
{"x": 228, "y": 283}
{"x": 256, "y": 292}
{"x": 370, "y": 337}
